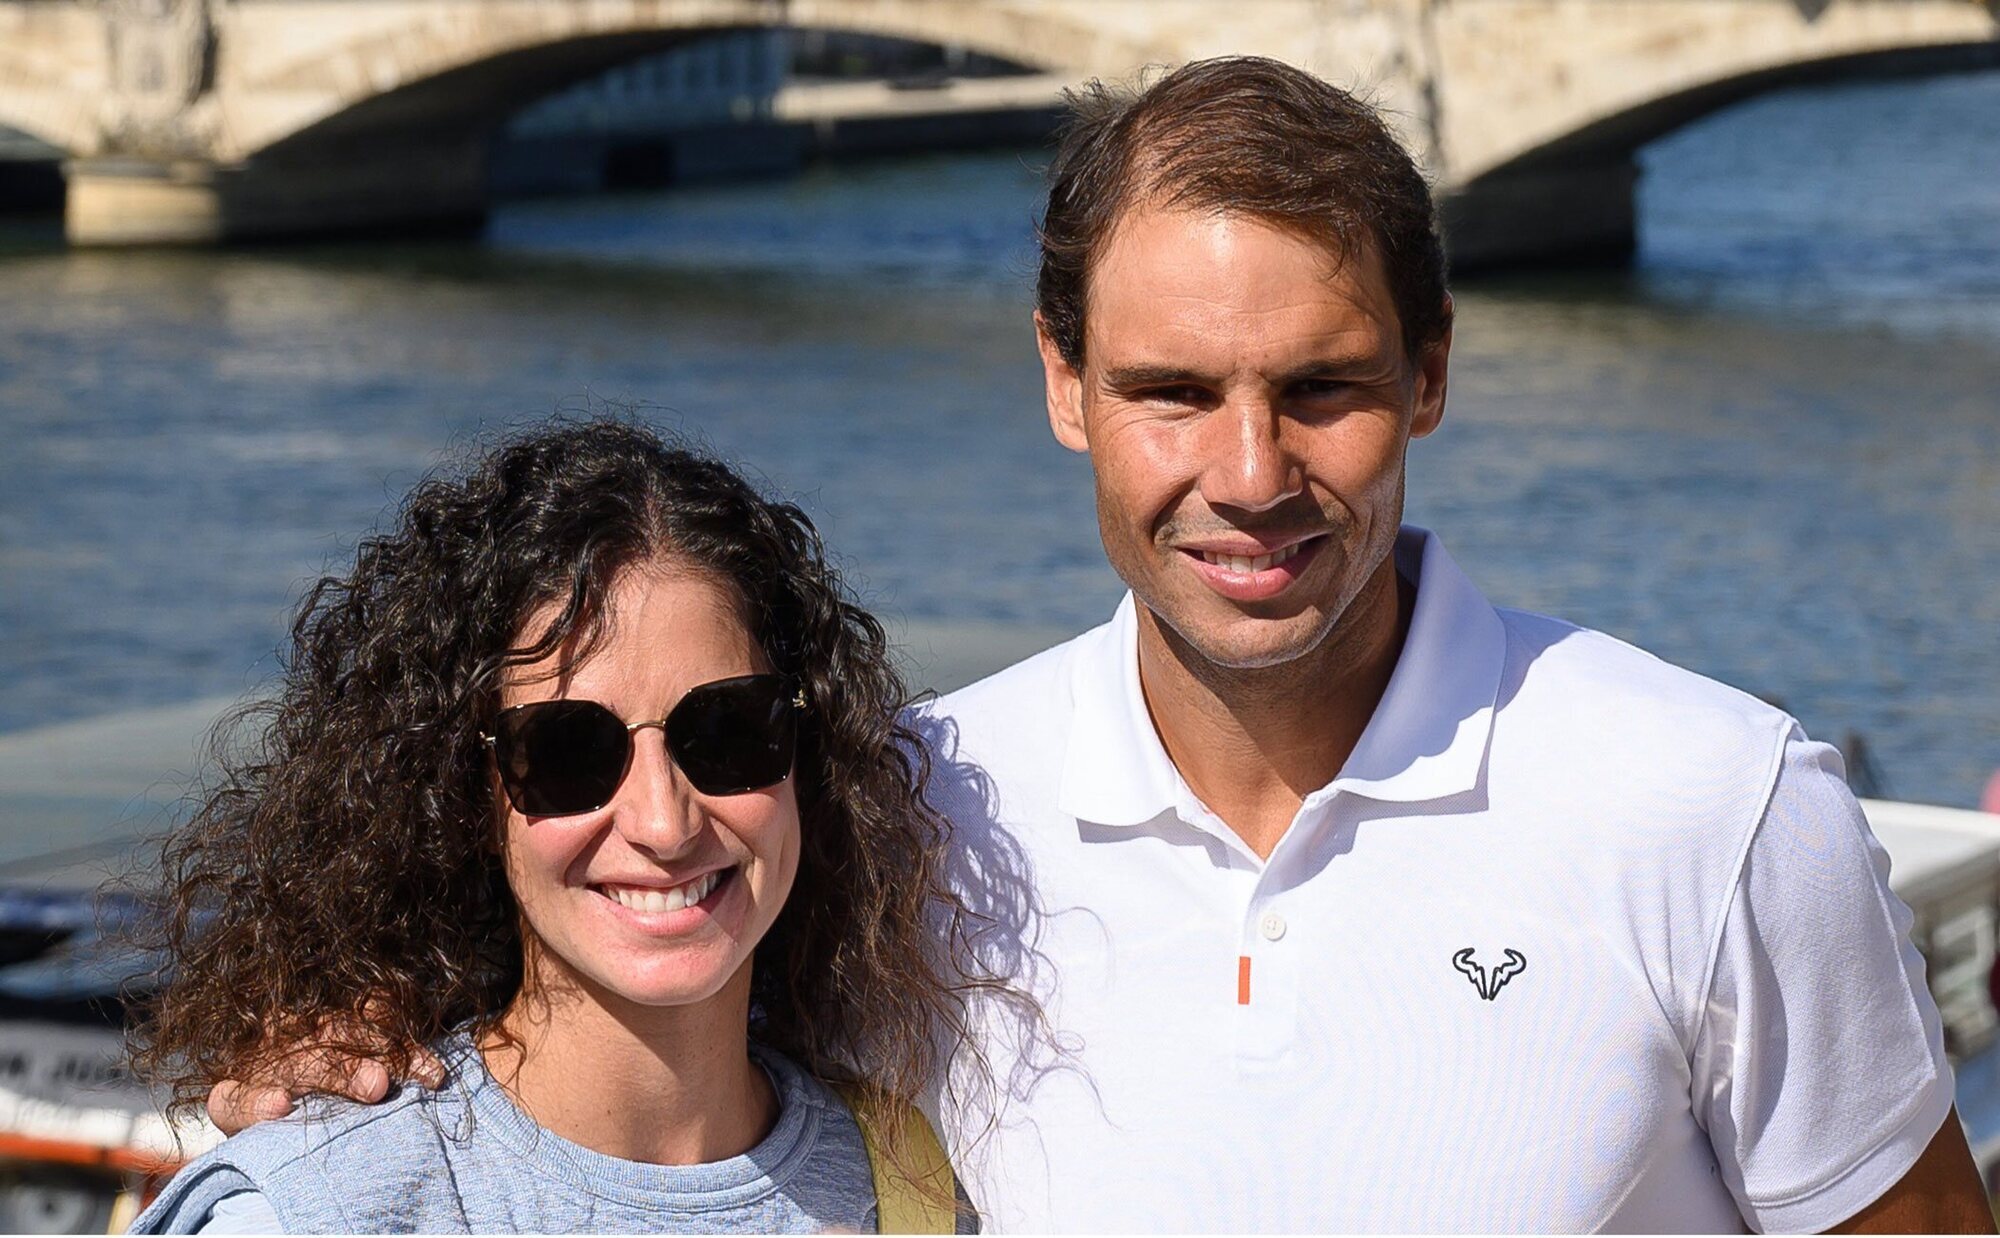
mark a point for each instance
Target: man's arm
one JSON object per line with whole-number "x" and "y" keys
{"x": 1941, "y": 1194}
{"x": 1820, "y": 1070}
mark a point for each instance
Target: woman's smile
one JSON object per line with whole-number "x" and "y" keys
{"x": 656, "y": 909}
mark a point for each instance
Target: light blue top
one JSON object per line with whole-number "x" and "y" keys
{"x": 464, "y": 1158}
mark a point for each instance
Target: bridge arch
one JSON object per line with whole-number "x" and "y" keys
{"x": 1619, "y": 136}
{"x": 458, "y": 65}
{"x": 1661, "y": 70}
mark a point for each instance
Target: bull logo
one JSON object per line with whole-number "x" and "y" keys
{"x": 1489, "y": 983}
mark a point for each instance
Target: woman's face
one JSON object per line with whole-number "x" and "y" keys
{"x": 603, "y": 892}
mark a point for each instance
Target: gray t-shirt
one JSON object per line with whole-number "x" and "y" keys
{"x": 464, "y": 1158}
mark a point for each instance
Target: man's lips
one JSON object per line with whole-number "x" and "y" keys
{"x": 1246, "y": 569}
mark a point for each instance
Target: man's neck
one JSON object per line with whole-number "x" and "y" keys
{"x": 1253, "y": 743}
{"x": 664, "y": 1085}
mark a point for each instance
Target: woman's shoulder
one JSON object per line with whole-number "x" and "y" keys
{"x": 818, "y": 1119}
{"x": 813, "y": 1163}
{"x": 324, "y": 1166}
{"x": 915, "y": 1190}
{"x": 847, "y": 1171}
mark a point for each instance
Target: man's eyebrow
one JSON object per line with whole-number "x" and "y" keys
{"x": 1350, "y": 366}
{"x": 1353, "y": 366}
{"x": 1125, "y": 377}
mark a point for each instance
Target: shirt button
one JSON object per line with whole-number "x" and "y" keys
{"x": 1272, "y": 926}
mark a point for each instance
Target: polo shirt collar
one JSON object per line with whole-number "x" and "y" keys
{"x": 1116, "y": 772}
{"x": 1428, "y": 736}
{"x": 1427, "y": 739}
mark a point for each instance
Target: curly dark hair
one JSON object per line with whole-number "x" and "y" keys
{"x": 334, "y": 887}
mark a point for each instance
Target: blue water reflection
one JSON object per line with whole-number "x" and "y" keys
{"x": 1772, "y": 452}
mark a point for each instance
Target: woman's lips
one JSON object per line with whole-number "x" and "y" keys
{"x": 668, "y": 909}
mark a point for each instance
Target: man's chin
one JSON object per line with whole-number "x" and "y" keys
{"x": 1246, "y": 642}
{"x": 1253, "y": 656}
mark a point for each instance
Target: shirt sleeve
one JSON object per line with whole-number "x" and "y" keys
{"x": 1819, "y": 1069}
{"x": 241, "y": 1212}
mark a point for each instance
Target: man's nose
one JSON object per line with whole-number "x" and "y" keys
{"x": 656, "y": 808}
{"x": 1246, "y": 463}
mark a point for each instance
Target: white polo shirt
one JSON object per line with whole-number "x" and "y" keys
{"x": 1577, "y": 940}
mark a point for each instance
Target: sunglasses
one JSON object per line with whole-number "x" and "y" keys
{"x": 559, "y": 758}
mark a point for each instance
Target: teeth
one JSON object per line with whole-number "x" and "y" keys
{"x": 1244, "y": 565}
{"x": 678, "y": 898}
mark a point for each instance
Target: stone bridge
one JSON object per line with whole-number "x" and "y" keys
{"x": 202, "y": 120}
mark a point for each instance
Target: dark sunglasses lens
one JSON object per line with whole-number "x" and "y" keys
{"x": 561, "y": 757}
{"x": 734, "y": 735}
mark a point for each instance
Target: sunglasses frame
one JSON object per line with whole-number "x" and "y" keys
{"x": 492, "y": 740}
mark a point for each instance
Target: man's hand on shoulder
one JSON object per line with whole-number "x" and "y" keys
{"x": 236, "y": 1104}
{"x": 1941, "y": 1194}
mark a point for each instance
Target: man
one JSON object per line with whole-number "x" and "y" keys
{"x": 1349, "y": 901}
{"x": 1366, "y": 905}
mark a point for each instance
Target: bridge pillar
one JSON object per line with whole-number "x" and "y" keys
{"x": 115, "y": 202}
{"x": 1584, "y": 214}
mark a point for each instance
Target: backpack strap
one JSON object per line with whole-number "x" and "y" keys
{"x": 926, "y": 1204}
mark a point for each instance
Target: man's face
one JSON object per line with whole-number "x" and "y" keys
{"x": 1246, "y": 403}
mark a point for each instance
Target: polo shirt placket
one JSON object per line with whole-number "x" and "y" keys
{"x": 1273, "y": 948}
{"x": 1264, "y": 983}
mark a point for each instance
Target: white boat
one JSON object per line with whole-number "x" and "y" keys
{"x": 1945, "y": 863}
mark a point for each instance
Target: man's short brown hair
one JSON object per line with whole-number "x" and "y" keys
{"x": 1244, "y": 135}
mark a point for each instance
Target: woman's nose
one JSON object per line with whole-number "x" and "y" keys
{"x": 656, "y": 808}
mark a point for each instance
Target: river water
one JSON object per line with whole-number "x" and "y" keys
{"x": 1770, "y": 452}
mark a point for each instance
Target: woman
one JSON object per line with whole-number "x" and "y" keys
{"x": 587, "y": 778}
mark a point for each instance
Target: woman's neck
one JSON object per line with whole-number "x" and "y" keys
{"x": 665, "y": 1085}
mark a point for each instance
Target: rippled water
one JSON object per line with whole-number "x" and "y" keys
{"x": 1772, "y": 452}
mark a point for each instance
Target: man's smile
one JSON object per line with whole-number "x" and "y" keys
{"x": 1246, "y": 570}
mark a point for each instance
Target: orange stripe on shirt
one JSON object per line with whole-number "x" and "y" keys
{"x": 1243, "y": 980}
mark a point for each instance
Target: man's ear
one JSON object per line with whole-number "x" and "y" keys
{"x": 1433, "y": 368}
{"x": 1063, "y": 388}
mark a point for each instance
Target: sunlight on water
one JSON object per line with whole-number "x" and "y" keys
{"x": 1873, "y": 203}
{"x": 1772, "y": 452}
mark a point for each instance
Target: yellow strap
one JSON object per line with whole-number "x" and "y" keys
{"x": 904, "y": 1205}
